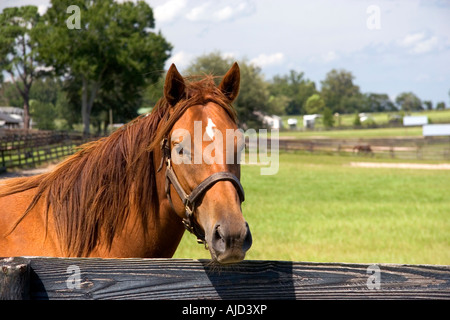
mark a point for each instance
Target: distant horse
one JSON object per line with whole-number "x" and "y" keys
{"x": 122, "y": 196}
{"x": 362, "y": 148}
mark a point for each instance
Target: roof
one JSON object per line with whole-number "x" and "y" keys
{"x": 8, "y": 119}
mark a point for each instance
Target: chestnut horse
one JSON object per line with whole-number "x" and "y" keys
{"x": 122, "y": 196}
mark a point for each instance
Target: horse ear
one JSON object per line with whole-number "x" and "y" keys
{"x": 230, "y": 82}
{"x": 174, "y": 87}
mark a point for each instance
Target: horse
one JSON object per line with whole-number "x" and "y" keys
{"x": 125, "y": 196}
{"x": 362, "y": 148}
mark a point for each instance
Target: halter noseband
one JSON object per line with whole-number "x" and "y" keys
{"x": 190, "y": 200}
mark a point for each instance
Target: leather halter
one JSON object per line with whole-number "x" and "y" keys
{"x": 190, "y": 200}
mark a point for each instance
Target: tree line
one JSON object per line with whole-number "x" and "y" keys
{"x": 107, "y": 58}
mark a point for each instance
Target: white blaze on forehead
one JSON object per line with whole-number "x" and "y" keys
{"x": 209, "y": 128}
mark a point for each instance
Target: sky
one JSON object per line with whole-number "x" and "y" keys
{"x": 389, "y": 46}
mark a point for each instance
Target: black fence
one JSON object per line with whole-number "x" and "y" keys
{"x": 29, "y": 148}
{"x": 39, "y": 278}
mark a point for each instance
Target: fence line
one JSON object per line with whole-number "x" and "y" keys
{"x": 95, "y": 278}
{"x": 436, "y": 148}
{"x": 20, "y": 148}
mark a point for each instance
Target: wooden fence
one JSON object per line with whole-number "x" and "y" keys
{"x": 40, "y": 278}
{"x": 432, "y": 148}
{"x": 20, "y": 148}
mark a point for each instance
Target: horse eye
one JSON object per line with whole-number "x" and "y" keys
{"x": 178, "y": 148}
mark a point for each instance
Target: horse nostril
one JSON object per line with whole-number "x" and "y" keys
{"x": 218, "y": 240}
{"x": 248, "y": 240}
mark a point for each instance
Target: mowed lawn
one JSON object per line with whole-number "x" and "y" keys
{"x": 319, "y": 208}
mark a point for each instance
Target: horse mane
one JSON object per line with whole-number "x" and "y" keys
{"x": 93, "y": 191}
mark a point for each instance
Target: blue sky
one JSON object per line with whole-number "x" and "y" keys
{"x": 389, "y": 46}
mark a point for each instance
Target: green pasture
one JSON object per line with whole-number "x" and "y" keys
{"x": 352, "y": 133}
{"x": 319, "y": 208}
{"x": 345, "y": 129}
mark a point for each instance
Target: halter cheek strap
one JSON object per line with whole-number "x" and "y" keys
{"x": 190, "y": 200}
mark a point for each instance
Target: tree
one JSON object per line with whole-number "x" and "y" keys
{"x": 428, "y": 104}
{"x": 213, "y": 63}
{"x": 328, "y": 119}
{"x": 113, "y": 55}
{"x": 339, "y": 92}
{"x": 43, "y": 114}
{"x": 18, "y": 51}
{"x": 314, "y": 104}
{"x": 295, "y": 88}
{"x": 357, "y": 120}
{"x": 253, "y": 94}
{"x": 374, "y": 102}
{"x": 408, "y": 101}
{"x": 440, "y": 106}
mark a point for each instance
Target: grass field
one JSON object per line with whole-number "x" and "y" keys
{"x": 318, "y": 208}
{"x": 360, "y": 133}
{"x": 380, "y": 118}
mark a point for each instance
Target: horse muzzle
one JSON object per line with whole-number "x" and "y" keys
{"x": 229, "y": 243}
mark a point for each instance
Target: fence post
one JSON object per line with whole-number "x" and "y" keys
{"x": 3, "y": 164}
{"x": 14, "y": 279}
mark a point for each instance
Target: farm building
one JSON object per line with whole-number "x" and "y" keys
{"x": 11, "y": 117}
{"x": 309, "y": 120}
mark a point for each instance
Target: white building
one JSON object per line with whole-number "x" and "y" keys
{"x": 11, "y": 117}
{"x": 309, "y": 120}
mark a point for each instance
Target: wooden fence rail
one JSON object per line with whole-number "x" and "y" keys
{"x": 401, "y": 148}
{"x": 19, "y": 148}
{"x": 40, "y": 278}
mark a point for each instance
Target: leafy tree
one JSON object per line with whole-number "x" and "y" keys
{"x": 440, "y": 106}
{"x": 328, "y": 118}
{"x": 43, "y": 114}
{"x": 213, "y": 63}
{"x": 428, "y": 104}
{"x": 253, "y": 94}
{"x": 277, "y": 104}
{"x": 314, "y": 104}
{"x": 113, "y": 55}
{"x": 339, "y": 92}
{"x": 12, "y": 96}
{"x": 408, "y": 102}
{"x": 18, "y": 51}
{"x": 295, "y": 88}
{"x": 374, "y": 102}
{"x": 357, "y": 120}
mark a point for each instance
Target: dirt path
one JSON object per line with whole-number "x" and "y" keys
{"x": 423, "y": 166}
{"x": 27, "y": 172}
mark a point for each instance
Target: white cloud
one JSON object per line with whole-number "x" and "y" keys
{"x": 169, "y": 10}
{"x": 264, "y": 60}
{"x": 198, "y": 13}
{"x": 330, "y": 56}
{"x": 214, "y": 12}
{"x": 229, "y": 55}
{"x": 426, "y": 45}
{"x": 42, "y": 9}
{"x": 412, "y": 39}
{"x": 418, "y": 43}
{"x": 181, "y": 59}
{"x": 224, "y": 14}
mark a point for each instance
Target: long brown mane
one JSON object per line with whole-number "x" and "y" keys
{"x": 94, "y": 190}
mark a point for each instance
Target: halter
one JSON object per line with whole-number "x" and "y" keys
{"x": 190, "y": 200}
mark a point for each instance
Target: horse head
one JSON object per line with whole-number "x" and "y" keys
{"x": 200, "y": 163}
